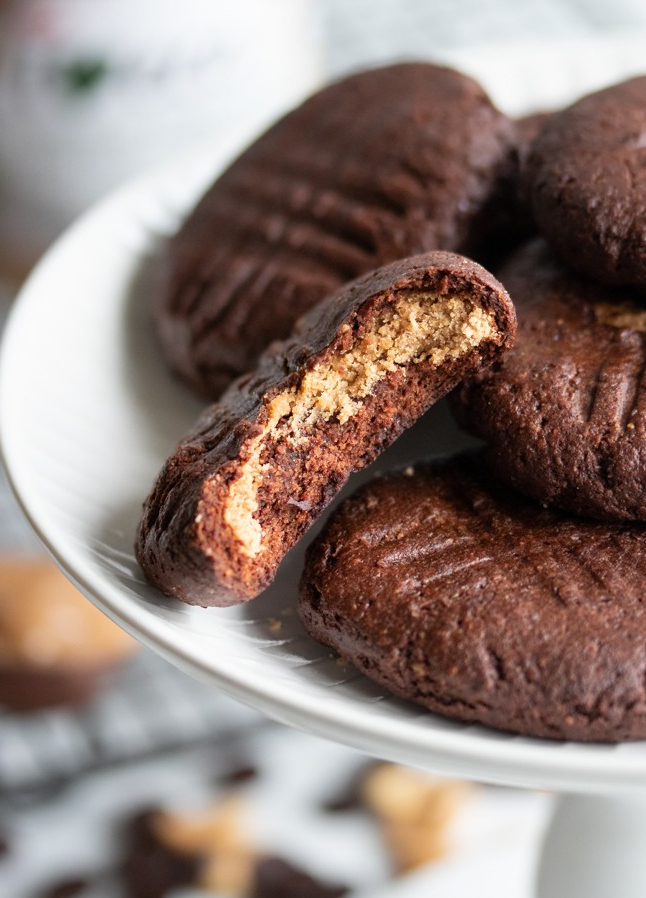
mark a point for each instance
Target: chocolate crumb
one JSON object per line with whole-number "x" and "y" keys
{"x": 236, "y": 775}
{"x": 68, "y": 888}
{"x": 349, "y": 797}
{"x": 277, "y": 878}
{"x": 150, "y": 868}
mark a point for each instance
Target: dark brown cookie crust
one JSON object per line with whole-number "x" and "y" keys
{"x": 260, "y": 465}
{"x": 379, "y": 166}
{"x": 55, "y": 647}
{"x": 585, "y": 178}
{"x": 458, "y": 594}
{"x": 527, "y": 130}
{"x": 30, "y": 689}
{"x": 564, "y": 413}
{"x": 151, "y": 868}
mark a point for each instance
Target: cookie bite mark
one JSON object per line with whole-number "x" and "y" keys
{"x": 416, "y": 328}
{"x": 262, "y": 463}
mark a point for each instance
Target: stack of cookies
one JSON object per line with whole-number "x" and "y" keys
{"x": 336, "y": 270}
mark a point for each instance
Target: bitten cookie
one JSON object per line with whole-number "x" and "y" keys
{"x": 585, "y": 178}
{"x": 456, "y": 593}
{"x": 55, "y": 647}
{"x": 260, "y": 465}
{"x": 564, "y": 413}
{"x": 382, "y": 165}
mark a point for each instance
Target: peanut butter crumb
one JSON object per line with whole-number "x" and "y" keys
{"x": 416, "y": 812}
{"x": 219, "y": 835}
{"x": 622, "y": 316}
{"x": 415, "y": 328}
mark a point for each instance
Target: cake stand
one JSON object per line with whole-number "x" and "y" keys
{"x": 88, "y": 412}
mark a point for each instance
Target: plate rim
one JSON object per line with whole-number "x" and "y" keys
{"x": 474, "y": 752}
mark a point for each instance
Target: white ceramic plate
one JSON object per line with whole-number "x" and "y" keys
{"x": 88, "y": 413}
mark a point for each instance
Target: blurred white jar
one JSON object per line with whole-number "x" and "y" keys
{"x": 94, "y": 91}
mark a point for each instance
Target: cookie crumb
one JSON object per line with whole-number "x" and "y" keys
{"x": 416, "y": 812}
{"x": 218, "y": 836}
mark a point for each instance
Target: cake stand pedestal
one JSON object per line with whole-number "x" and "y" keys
{"x": 595, "y": 847}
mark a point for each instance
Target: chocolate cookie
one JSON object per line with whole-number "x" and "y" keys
{"x": 454, "y": 592}
{"x": 585, "y": 178}
{"x": 379, "y": 166}
{"x": 515, "y": 222}
{"x": 527, "y": 130}
{"x": 260, "y": 465}
{"x": 55, "y": 647}
{"x": 564, "y": 413}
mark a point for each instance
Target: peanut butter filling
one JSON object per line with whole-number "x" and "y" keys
{"x": 417, "y": 327}
{"x": 621, "y": 316}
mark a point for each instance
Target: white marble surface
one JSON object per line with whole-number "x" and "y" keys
{"x": 76, "y": 834}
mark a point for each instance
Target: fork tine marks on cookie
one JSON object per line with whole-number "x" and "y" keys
{"x": 617, "y": 384}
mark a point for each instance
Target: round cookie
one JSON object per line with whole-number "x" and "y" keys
{"x": 382, "y": 165}
{"x": 55, "y": 647}
{"x": 456, "y": 593}
{"x": 564, "y": 413}
{"x": 261, "y": 464}
{"x": 585, "y": 178}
